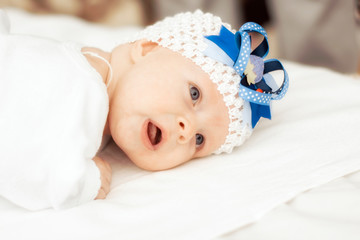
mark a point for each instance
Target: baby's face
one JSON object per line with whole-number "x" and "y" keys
{"x": 166, "y": 111}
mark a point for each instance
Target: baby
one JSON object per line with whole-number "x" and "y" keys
{"x": 183, "y": 88}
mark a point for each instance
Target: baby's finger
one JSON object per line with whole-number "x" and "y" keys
{"x": 101, "y": 194}
{"x": 105, "y": 184}
{"x": 108, "y": 182}
{"x": 107, "y": 166}
{"x": 105, "y": 190}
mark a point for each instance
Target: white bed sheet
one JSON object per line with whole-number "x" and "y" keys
{"x": 330, "y": 212}
{"x": 312, "y": 139}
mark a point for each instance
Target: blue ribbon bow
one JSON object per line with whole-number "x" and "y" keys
{"x": 234, "y": 50}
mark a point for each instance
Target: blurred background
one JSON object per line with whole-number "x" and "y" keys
{"x": 315, "y": 32}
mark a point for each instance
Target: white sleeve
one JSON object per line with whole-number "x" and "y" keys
{"x": 4, "y": 22}
{"x": 72, "y": 185}
{"x": 35, "y": 186}
{"x": 50, "y": 130}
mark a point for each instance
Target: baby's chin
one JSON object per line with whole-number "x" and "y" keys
{"x": 149, "y": 164}
{"x": 152, "y": 167}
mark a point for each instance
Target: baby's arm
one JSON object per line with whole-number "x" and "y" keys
{"x": 105, "y": 176}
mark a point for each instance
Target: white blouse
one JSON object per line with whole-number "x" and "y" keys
{"x": 53, "y": 109}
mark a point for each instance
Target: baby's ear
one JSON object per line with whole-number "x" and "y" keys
{"x": 141, "y": 48}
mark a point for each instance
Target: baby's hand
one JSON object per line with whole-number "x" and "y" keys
{"x": 105, "y": 175}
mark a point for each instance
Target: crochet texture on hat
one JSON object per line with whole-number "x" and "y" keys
{"x": 184, "y": 33}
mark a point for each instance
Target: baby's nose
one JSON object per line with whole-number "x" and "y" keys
{"x": 185, "y": 130}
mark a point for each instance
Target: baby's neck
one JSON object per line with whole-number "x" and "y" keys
{"x": 96, "y": 62}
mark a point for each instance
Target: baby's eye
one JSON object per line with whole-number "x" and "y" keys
{"x": 199, "y": 139}
{"x": 194, "y": 93}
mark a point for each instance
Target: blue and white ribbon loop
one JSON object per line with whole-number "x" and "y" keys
{"x": 263, "y": 49}
{"x": 234, "y": 50}
{"x": 251, "y": 95}
{"x": 244, "y": 43}
{"x": 274, "y": 65}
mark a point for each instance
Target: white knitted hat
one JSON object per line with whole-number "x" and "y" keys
{"x": 184, "y": 33}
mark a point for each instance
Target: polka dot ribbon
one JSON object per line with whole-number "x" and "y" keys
{"x": 234, "y": 50}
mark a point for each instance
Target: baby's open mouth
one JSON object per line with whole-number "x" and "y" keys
{"x": 154, "y": 133}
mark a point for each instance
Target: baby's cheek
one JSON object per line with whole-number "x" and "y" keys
{"x": 202, "y": 154}
{"x": 116, "y": 134}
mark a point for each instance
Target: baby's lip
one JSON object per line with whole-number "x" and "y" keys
{"x": 152, "y": 135}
